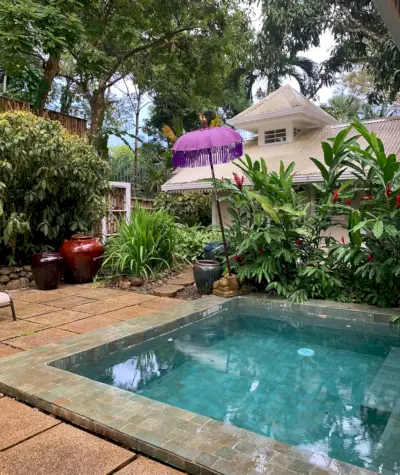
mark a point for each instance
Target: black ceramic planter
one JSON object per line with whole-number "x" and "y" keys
{"x": 47, "y": 269}
{"x": 205, "y": 274}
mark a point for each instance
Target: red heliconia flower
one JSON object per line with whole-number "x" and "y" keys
{"x": 239, "y": 181}
{"x": 343, "y": 239}
{"x": 388, "y": 190}
{"x": 370, "y": 258}
{"x": 236, "y": 258}
{"x": 349, "y": 202}
{"x": 298, "y": 242}
{"x": 335, "y": 195}
{"x": 366, "y": 198}
{"x": 260, "y": 251}
{"x": 398, "y": 201}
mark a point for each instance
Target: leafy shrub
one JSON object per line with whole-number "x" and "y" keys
{"x": 53, "y": 184}
{"x": 190, "y": 241}
{"x": 272, "y": 234}
{"x": 187, "y": 208}
{"x": 372, "y": 258}
{"x": 143, "y": 247}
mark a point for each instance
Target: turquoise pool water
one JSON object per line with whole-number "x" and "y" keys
{"x": 334, "y": 391}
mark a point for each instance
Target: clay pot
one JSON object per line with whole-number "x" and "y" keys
{"x": 205, "y": 274}
{"x": 47, "y": 268}
{"x": 82, "y": 256}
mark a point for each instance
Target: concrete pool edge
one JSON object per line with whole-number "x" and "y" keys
{"x": 196, "y": 444}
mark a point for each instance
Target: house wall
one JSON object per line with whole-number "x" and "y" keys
{"x": 226, "y": 218}
{"x": 273, "y": 125}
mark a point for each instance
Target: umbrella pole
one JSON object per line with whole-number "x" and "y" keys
{"x": 220, "y": 215}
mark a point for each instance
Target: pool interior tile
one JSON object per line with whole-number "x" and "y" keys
{"x": 83, "y": 401}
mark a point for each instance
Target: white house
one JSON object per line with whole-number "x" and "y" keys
{"x": 288, "y": 128}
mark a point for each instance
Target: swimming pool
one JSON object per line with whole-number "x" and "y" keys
{"x": 330, "y": 386}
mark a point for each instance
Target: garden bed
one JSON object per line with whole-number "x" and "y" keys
{"x": 165, "y": 278}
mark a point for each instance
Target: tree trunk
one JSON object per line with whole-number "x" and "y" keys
{"x": 66, "y": 98}
{"x": 97, "y": 103}
{"x": 51, "y": 70}
{"x": 136, "y": 152}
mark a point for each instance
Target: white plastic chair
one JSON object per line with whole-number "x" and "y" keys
{"x": 7, "y": 301}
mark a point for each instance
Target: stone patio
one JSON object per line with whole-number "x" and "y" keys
{"x": 34, "y": 442}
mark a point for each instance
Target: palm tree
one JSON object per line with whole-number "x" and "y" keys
{"x": 343, "y": 107}
{"x": 270, "y": 65}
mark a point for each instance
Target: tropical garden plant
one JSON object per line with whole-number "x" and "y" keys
{"x": 190, "y": 241}
{"x": 144, "y": 247}
{"x": 192, "y": 209}
{"x": 278, "y": 245}
{"x": 53, "y": 184}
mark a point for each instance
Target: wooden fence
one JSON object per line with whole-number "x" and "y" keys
{"x": 74, "y": 125}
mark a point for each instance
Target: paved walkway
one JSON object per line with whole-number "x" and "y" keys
{"x": 36, "y": 443}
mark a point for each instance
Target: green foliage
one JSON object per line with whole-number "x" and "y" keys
{"x": 191, "y": 240}
{"x": 52, "y": 184}
{"x": 374, "y": 250}
{"x": 143, "y": 247}
{"x": 290, "y": 27}
{"x": 280, "y": 247}
{"x": 121, "y": 162}
{"x": 276, "y": 243}
{"x": 188, "y": 208}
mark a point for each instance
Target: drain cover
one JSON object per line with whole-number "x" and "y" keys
{"x": 306, "y": 352}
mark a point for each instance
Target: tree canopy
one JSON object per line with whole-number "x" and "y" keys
{"x": 290, "y": 27}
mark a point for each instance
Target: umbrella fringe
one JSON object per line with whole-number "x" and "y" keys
{"x": 200, "y": 158}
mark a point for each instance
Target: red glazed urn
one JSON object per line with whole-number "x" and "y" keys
{"x": 82, "y": 257}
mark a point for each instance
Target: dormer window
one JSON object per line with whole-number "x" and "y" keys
{"x": 275, "y": 136}
{"x": 296, "y": 132}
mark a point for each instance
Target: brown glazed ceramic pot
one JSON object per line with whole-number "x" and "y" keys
{"x": 82, "y": 256}
{"x": 47, "y": 268}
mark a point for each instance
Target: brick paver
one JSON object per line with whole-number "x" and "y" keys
{"x": 88, "y": 324}
{"x": 19, "y": 422}
{"x": 70, "y": 302}
{"x": 44, "y": 337}
{"x": 162, "y": 303}
{"x": 18, "y": 328}
{"x": 6, "y": 350}
{"x": 63, "y": 450}
{"x": 98, "y": 307}
{"x": 61, "y": 317}
{"x": 37, "y": 296}
{"x": 128, "y": 313}
{"x": 145, "y": 466}
{"x": 28, "y": 309}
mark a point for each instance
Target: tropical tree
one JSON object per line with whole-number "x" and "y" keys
{"x": 360, "y": 37}
{"x": 344, "y": 107}
{"x": 33, "y": 36}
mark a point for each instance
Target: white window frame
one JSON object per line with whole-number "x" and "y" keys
{"x": 274, "y": 135}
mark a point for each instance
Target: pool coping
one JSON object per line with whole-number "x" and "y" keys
{"x": 197, "y": 444}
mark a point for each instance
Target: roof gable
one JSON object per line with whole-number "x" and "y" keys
{"x": 285, "y": 101}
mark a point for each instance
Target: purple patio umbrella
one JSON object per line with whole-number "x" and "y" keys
{"x": 208, "y": 147}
